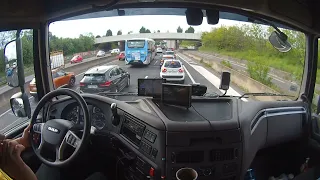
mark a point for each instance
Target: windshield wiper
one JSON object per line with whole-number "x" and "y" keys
{"x": 118, "y": 93}
{"x": 264, "y": 94}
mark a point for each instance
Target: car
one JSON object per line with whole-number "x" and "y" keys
{"x": 122, "y": 56}
{"x": 172, "y": 70}
{"x": 171, "y": 53}
{"x": 101, "y": 53}
{"x": 59, "y": 77}
{"x": 109, "y": 78}
{"x": 115, "y": 51}
{"x": 170, "y": 49}
{"x": 165, "y": 57}
{"x": 159, "y": 50}
{"x": 76, "y": 59}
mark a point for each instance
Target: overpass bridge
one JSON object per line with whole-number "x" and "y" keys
{"x": 155, "y": 36}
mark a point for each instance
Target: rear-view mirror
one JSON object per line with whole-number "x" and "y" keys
{"x": 11, "y": 69}
{"x": 279, "y": 41}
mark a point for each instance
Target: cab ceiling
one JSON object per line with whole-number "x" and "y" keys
{"x": 301, "y": 14}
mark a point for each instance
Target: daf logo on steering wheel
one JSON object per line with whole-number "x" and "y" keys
{"x": 53, "y": 129}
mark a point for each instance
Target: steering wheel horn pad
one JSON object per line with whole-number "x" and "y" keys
{"x": 56, "y": 134}
{"x": 55, "y": 130}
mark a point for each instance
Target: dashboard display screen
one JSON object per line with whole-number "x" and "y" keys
{"x": 176, "y": 94}
{"x": 150, "y": 87}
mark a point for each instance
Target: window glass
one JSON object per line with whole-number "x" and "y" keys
{"x": 172, "y": 64}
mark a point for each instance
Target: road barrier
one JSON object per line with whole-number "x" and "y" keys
{"x": 240, "y": 79}
{"x": 79, "y": 67}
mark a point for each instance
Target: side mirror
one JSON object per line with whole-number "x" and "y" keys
{"x": 225, "y": 81}
{"x": 18, "y": 107}
{"x": 280, "y": 41}
{"x": 11, "y": 69}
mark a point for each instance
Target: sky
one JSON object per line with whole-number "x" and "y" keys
{"x": 99, "y": 26}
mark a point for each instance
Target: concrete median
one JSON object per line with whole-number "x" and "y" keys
{"x": 7, "y": 92}
{"x": 241, "y": 80}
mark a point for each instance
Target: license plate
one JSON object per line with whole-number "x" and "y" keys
{"x": 92, "y": 86}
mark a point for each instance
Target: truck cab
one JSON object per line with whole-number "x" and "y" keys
{"x": 248, "y": 107}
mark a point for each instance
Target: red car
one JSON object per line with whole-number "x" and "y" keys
{"x": 76, "y": 59}
{"x": 122, "y": 56}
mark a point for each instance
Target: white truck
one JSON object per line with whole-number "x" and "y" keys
{"x": 57, "y": 59}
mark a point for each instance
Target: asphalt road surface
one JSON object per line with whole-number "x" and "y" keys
{"x": 192, "y": 71}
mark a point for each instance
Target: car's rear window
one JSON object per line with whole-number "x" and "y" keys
{"x": 172, "y": 64}
{"x": 74, "y": 57}
{"x": 94, "y": 78}
{"x": 170, "y": 53}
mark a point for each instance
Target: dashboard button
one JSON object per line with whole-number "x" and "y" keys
{"x": 154, "y": 152}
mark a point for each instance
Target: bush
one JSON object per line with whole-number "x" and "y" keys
{"x": 259, "y": 72}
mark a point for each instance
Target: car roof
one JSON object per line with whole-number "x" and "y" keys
{"x": 100, "y": 69}
{"x": 167, "y": 55}
{"x": 169, "y": 51}
{"x": 172, "y": 60}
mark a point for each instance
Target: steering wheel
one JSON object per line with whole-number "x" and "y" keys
{"x": 57, "y": 134}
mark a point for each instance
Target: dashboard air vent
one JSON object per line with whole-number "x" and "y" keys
{"x": 222, "y": 154}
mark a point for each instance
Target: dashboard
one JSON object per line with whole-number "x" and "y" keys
{"x": 217, "y": 137}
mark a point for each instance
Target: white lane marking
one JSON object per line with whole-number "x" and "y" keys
{"x": 155, "y": 62}
{"x": 146, "y": 77}
{"x": 79, "y": 74}
{"x": 193, "y": 81}
{"x": 5, "y": 112}
{"x": 212, "y": 78}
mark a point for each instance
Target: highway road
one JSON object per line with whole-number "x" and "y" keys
{"x": 195, "y": 74}
{"x": 283, "y": 84}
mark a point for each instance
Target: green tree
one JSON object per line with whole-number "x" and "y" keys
{"x": 190, "y": 30}
{"x": 158, "y": 31}
{"x": 98, "y": 36}
{"x": 109, "y": 32}
{"x": 148, "y": 31}
{"x": 142, "y": 30}
{"x": 119, "y": 32}
{"x": 179, "y": 30}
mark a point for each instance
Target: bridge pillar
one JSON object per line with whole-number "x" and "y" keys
{"x": 121, "y": 45}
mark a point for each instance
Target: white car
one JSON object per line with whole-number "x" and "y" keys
{"x": 115, "y": 51}
{"x": 101, "y": 53}
{"x": 159, "y": 50}
{"x": 172, "y": 70}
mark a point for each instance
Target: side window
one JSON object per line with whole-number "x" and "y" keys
{"x": 122, "y": 71}
{"x": 112, "y": 73}
{"x": 55, "y": 75}
{"x": 117, "y": 71}
{"x": 60, "y": 73}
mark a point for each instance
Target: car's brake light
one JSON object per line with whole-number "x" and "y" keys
{"x": 106, "y": 84}
{"x": 164, "y": 70}
{"x": 82, "y": 84}
{"x": 180, "y": 70}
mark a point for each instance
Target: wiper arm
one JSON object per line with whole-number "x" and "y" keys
{"x": 118, "y": 93}
{"x": 264, "y": 94}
